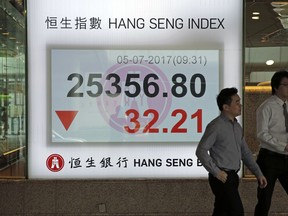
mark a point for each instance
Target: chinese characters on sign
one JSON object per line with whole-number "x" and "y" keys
{"x": 78, "y": 23}
{"x": 104, "y": 162}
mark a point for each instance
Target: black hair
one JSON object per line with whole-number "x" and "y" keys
{"x": 225, "y": 97}
{"x": 277, "y": 78}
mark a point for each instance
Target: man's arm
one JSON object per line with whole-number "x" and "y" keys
{"x": 202, "y": 151}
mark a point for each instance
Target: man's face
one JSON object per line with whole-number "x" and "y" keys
{"x": 282, "y": 91}
{"x": 234, "y": 109}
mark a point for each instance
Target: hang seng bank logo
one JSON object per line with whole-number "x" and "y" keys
{"x": 55, "y": 162}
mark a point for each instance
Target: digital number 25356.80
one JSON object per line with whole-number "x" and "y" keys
{"x": 196, "y": 84}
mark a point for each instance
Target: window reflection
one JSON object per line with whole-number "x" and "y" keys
{"x": 12, "y": 91}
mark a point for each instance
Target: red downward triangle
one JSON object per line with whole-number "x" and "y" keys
{"x": 66, "y": 117}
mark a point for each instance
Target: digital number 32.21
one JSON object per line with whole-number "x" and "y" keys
{"x": 135, "y": 124}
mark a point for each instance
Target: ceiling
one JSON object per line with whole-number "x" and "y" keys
{"x": 267, "y": 31}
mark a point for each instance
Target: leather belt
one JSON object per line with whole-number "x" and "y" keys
{"x": 229, "y": 171}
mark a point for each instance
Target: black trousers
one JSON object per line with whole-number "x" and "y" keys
{"x": 274, "y": 166}
{"x": 227, "y": 198}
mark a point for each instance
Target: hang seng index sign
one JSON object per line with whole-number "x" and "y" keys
{"x": 125, "y": 88}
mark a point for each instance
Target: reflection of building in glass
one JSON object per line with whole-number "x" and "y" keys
{"x": 12, "y": 88}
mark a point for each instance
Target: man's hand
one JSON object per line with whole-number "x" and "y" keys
{"x": 222, "y": 176}
{"x": 262, "y": 181}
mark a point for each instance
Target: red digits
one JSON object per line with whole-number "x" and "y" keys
{"x": 176, "y": 128}
{"x": 198, "y": 115}
{"x": 134, "y": 120}
{"x": 148, "y": 128}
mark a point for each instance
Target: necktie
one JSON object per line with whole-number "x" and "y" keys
{"x": 286, "y": 116}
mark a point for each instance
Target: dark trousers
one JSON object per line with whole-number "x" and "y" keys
{"x": 227, "y": 198}
{"x": 274, "y": 166}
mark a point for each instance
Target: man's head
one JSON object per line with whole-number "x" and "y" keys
{"x": 228, "y": 101}
{"x": 279, "y": 84}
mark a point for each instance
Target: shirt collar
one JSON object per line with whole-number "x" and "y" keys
{"x": 278, "y": 100}
{"x": 225, "y": 118}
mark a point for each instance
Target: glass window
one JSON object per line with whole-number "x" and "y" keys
{"x": 12, "y": 90}
{"x": 266, "y": 52}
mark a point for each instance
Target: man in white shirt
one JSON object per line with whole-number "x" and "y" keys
{"x": 273, "y": 137}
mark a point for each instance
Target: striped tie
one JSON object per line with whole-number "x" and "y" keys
{"x": 286, "y": 116}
